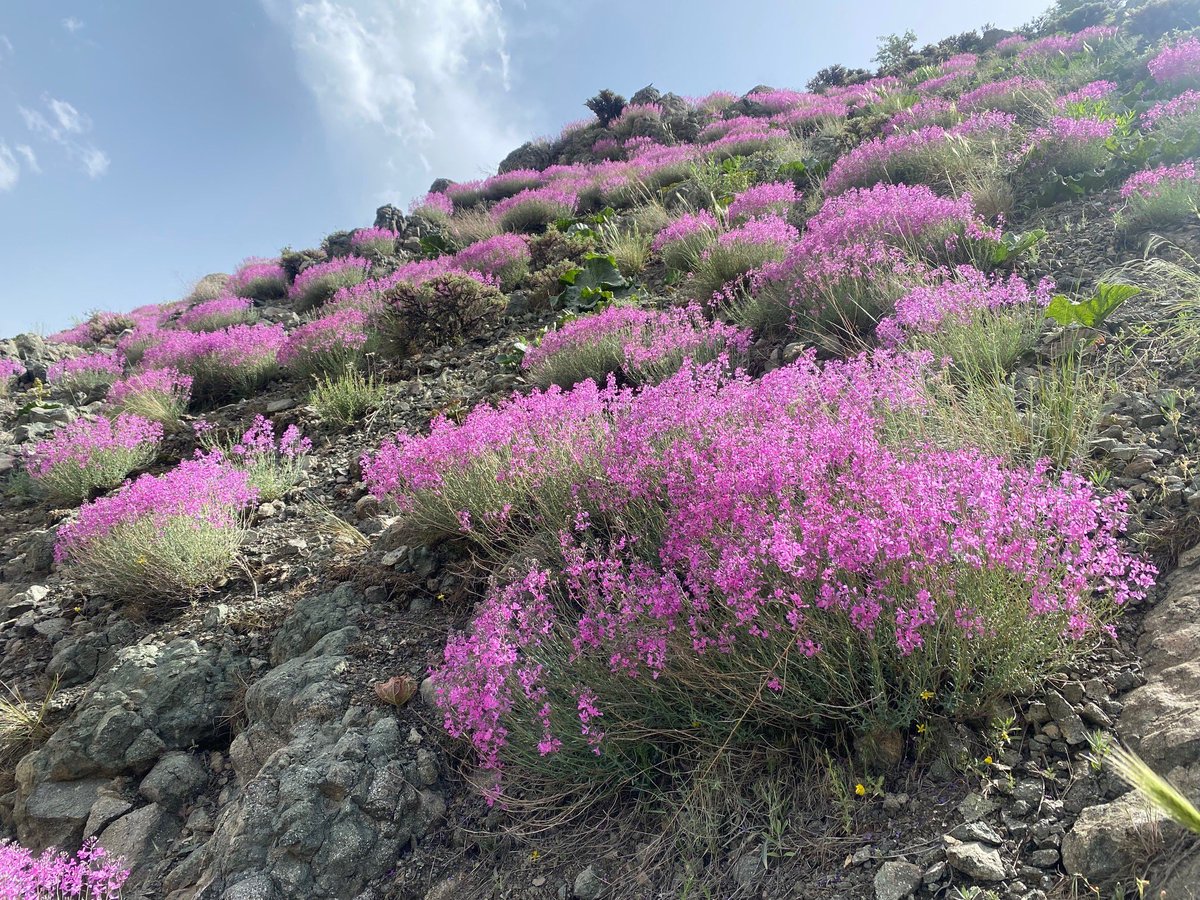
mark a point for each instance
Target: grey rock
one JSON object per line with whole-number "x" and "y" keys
{"x": 589, "y": 885}
{"x": 312, "y": 619}
{"x": 1109, "y": 839}
{"x": 1069, "y": 723}
{"x": 77, "y": 660}
{"x": 141, "y": 837}
{"x": 56, "y": 812}
{"x": 256, "y": 887}
{"x": 979, "y": 861}
{"x": 1044, "y": 859}
{"x": 896, "y": 880}
{"x": 975, "y": 807}
{"x": 174, "y": 780}
{"x": 976, "y": 831}
{"x": 106, "y": 810}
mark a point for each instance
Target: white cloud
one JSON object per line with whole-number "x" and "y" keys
{"x": 72, "y": 24}
{"x": 68, "y": 117}
{"x": 95, "y": 161}
{"x": 65, "y": 127}
{"x": 10, "y": 172}
{"x": 31, "y": 162}
{"x": 6, "y": 47}
{"x": 408, "y": 82}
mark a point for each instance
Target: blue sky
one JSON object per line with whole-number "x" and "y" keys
{"x": 145, "y": 143}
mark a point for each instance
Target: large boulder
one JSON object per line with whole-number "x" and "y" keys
{"x": 1111, "y": 839}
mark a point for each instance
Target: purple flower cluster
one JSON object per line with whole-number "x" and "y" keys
{"x": 764, "y": 230}
{"x": 1067, "y": 44}
{"x": 166, "y": 382}
{"x": 327, "y": 345}
{"x": 927, "y": 308}
{"x": 324, "y": 278}
{"x": 202, "y": 490}
{"x": 771, "y": 198}
{"x": 1006, "y": 95}
{"x": 1179, "y": 107}
{"x": 1178, "y": 63}
{"x": 258, "y": 277}
{"x": 556, "y": 201}
{"x": 84, "y": 441}
{"x": 1150, "y": 182}
{"x": 219, "y": 313}
{"x": 85, "y": 371}
{"x": 374, "y": 240}
{"x": 10, "y": 368}
{"x": 55, "y": 875}
{"x": 259, "y": 441}
{"x": 1093, "y": 92}
{"x": 236, "y": 346}
{"x": 1069, "y": 145}
{"x": 1010, "y": 44}
{"x": 505, "y": 257}
{"x": 930, "y": 111}
{"x": 434, "y": 202}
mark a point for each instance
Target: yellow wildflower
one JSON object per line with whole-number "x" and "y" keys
{"x": 920, "y": 728}
{"x": 860, "y": 790}
{"x": 926, "y": 695}
{"x": 987, "y": 760}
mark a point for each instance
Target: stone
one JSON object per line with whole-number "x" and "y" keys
{"x": 141, "y": 837}
{"x": 1109, "y": 839}
{"x": 588, "y": 885}
{"x": 56, "y": 812}
{"x": 312, "y": 619}
{"x": 747, "y": 869}
{"x": 1069, "y": 723}
{"x": 174, "y": 780}
{"x": 897, "y": 880}
{"x": 106, "y": 810}
{"x": 976, "y": 831}
{"x": 1044, "y": 859}
{"x": 979, "y": 861}
{"x": 975, "y": 807}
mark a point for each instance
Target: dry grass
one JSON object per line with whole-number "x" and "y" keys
{"x": 22, "y": 722}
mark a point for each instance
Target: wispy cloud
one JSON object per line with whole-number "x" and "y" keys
{"x": 72, "y": 24}
{"x": 6, "y": 47}
{"x": 418, "y": 87}
{"x": 65, "y": 126}
{"x": 10, "y": 171}
{"x": 31, "y": 162}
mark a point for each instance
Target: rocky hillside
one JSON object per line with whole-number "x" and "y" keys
{"x": 789, "y": 495}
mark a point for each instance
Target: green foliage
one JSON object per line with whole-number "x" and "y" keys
{"x": 894, "y": 49}
{"x": 597, "y": 280}
{"x": 346, "y": 398}
{"x": 1013, "y": 245}
{"x": 445, "y": 309}
{"x": 606, "y": 105}
{"x": 1093, "y": 311}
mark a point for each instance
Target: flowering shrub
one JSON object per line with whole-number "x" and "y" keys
{"x": 1010, "y": 45}
{"x": 1176, "y": 124}
{"x": 683, "y": 241}
{"x": 374, "y": 241}
{"x": 319, "y": 282}
{"x": 55, "y": 875}
{"x": 160, "y": 395}
{"x": 89, "y": 455}
{"x": 505, "y": 257}
{"x": 939, "y": 157}
{"x": 1029, "y": 99}
{"x": 10, "y": 369}
{"x": 273, "y": 467}
{"x": 1068, "y": 146}
{"x": 133, "y": 346}
{"x": 434, "y": 206}
{"x": 212, "y": 315}
{"x": 737, "y": 252}
{"x": 1161, "y": 196}
{"x": 85, "y": 373}
{"x": 162, "y": 535}
{"x": 637, "y": 118}
{"x": 984, "y": 325}
{"x": 327, "y": 346}
{"x": 832, "y": 584}
{"x": 641, "y": 346}
{"x": 931, "y": 111}
{"x": 259, "y": 279}
{"x": 1178, "y": 63}
{"x": 768, "y": 199}
{"x": 232, "y": 362}
{"x": 745, "y": 142}
{"x": 1088, "y": 99}
{"x": 500, "y": 187}
{"x": 534, "y": 209}
{"x": 1060, "y": 46}
{"x": 443, "y": 309}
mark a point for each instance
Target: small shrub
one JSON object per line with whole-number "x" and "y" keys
{"x": 739, "y": 251}
{"x": 133, "y": 346}
{"x": 534, "y": 209}
{"x": 332, "y": 343}
{"x": 161, "y": 536}
{"x": 374, "y": 241}
{"x": 273, "y": 467}
{"x": 607, "y": 106}
{"x": 1175, "y": 124}
{"x": 343, "y": 399}
{"x": 472, "y": 226}
{"x": 435, "y": 207}
{"x": 1178, "y": 63}
{"x": 1029, "y": 99}
{"x": 160, "y": 395}
{"x": 212, "y": 315}
{"x": 232, "y": 362}
{"x": 983, "y": 325}
{"x": 85, "y": 373}
{"x": 10, "y": 370}
{"x": 638, "y": 345}
{"x": 1059, "y": 47}
{"x": 263, "y": 280}
{"x": 1165, "y": 195}
{"x": 769, "y": 199}
{"x": 445, "y": 309}
{"x": 1068, "y": 146}
{"x": 89, "y": 455}
{"x": 23, "y": 727}
{"x": 88, "y": 875}
{"x": 506, "y": 184}
{"x": 505, "y": 257}
{"x": 628, "y": 245}
{"x": 318, "y": 283}
{"x": 682, "y": 243}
